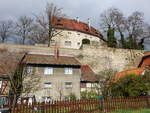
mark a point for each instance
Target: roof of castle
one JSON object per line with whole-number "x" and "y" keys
{"x": 71, "y": 24}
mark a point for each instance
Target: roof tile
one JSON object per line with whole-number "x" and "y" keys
{"x": 50, "y": 59}
{"x": 88, "y": 74}
{"x": 70, "y": 24}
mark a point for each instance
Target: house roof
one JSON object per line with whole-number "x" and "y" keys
{"x": 136, "y": 71}
{"x": 9, "y": 62}
{"x": 145, "y": 60}
{"x": 147, "y": 54}
{"x": 70, "y": 24}
{"x": 88, "y": 74}
{"x": 50, "y": 60}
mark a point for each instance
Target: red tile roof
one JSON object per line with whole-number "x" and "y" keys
{"x": 147, "y": 54}
{"x": 70, "y": 24}
{"x": 88, "y": 74}
{"x": 136, "y": 71}
{"x": 50, "y": 60}
{"x": 145, "y": 60}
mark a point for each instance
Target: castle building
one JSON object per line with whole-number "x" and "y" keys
{"x": 73, "y": 33}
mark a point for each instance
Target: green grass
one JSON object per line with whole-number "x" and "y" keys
{"x": 133, "y": 111}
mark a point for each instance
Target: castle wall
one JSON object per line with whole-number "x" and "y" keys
{"x": 99, "y": 58}
{"x": 75, "y": 38}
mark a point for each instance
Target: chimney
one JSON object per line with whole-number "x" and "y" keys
{"x": 56, "y": 51}
{"x": 89, "y": 23}
{"x": 77, "y": 19}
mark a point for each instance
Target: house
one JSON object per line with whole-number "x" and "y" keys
{"x": 89, "y": 79}
{"x": 140, "y": 70}
{"x": 47, "y": 76}
{"x": 8, "y": 65}
{"x": 59, "y": 75}
{"x": 73, "y": 33}
{"x": 146, "y": 42}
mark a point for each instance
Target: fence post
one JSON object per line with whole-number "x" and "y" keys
{"x": 147, "y": 102}
{"x": 101, "y": 102}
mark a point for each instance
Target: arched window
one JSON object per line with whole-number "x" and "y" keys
{"x": 85, "y": 41}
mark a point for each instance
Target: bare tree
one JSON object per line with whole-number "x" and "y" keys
{"x": 52, "y": 12}
{"x": 105, "y": 78}
{"x": 40, "y": 31}
{"x": 45, "y": 24}
{"x": 5, "y": 30}
{"x": 60, "y": 90}
{"x": 21, "y": 82}
{"x": 113, "y": 19}
{"x": 30, "y": 81}
{"x": 24, "y": 26}
{"x": 107, "y": 19}
{"x": 135, "y": 25}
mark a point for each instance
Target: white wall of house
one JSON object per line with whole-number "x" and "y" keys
{"x": 57, "y": 82}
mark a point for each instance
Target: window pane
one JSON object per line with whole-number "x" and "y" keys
{"x": 48, "y": 85}
{"x": 48, "y": 70}
{"x": 53, "y": 42}
{"x": 68, "y": 70}
{"x": 68, "y": 84}
{"x": 0, "y": 84}
{"x": 67, "y": 43}
{"x": 29, "y": 69}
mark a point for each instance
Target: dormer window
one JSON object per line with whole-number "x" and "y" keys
{"x": 86, "y": 29}
{"x": 59, "y": 24}
{"x": 59, "y": 20}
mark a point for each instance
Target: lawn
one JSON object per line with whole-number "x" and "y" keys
{"x": 133, "y": 111}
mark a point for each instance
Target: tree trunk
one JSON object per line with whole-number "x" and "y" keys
{"x": 14, "y": 101}
{"x": 3, "y": 39}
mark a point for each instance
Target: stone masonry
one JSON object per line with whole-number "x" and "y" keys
{"x": 98, "y": 58}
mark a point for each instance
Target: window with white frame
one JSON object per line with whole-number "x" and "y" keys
{"x": 48, "y": 85}
{"x": 67, "y": 43}
{"x": 48, "y": 70}
{"x": 53, "y": 42}
{"x": 68, "y": 71}
{"x": 78, "y": 43}
{"x": 68, "y": 84}
{"x": 29, "y": 69}
{"x": 1, "y": 84}
{"x": 88, "y": 85}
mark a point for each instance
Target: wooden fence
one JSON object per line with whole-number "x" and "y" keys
{"x": 78, "y": 106}
{"x": 131, "y": 103}
{"x": 85, "y": 106}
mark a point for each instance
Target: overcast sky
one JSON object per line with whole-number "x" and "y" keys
{"x": 11, "y": 9}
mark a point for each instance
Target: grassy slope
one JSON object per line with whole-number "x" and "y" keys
{"x": 131, "y": 111}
